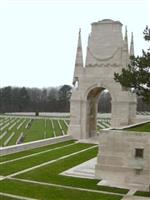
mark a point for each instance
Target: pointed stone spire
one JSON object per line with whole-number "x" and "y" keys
{"x": 126, "y": 38}
{"x": 132, "y": 45}
{"x": 89, "y": 39}
{"x": 125, "y": 49}
{"x": 79, "y": 59}
{"x": 87, "y": 53}
{"x": 79, "y": 55}
{"x": 126, "y": 34}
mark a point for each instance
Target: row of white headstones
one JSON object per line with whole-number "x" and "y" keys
{"x": 12, "y": 122}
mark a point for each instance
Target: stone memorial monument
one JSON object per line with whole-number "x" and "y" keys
{"x": 107, "y": 52}
{"x": 124, "y": 157}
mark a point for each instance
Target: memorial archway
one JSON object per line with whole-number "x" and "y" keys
{"x": 107, "y": 53}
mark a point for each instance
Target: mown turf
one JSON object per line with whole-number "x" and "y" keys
{"x": 63, "y": 125}
{"x": 49, "y": 130}
{"x": 7, "y": 169}
{"x": 2, "y": 197}
{"x": 144, "y": 194}
{"x": 140, "y": 128}
{"x": 17, "y": 131}
{"x": 57, "y": 128}
{"x": 51, "y": 193}
{"x": 36, "y": 131}
{"x": 11, "y": 121}
{"x": 36, "y": 150}
{"x": 50, "y": 173}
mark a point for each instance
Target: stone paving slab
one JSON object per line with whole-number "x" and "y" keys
{"x": 92, "y": 140}
{"x": 84, "y": 170}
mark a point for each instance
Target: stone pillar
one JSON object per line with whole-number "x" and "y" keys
{"x": 91, "y": 122}
{"x": 75, "y": 115}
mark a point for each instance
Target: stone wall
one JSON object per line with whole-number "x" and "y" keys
{"x": 32, "y": 145}
{"x": 41, "y": 114}
{"x": 124, "y": 159}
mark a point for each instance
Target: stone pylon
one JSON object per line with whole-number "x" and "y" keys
{"x": 132, "y": 45}
{"x": 107, "y": 53}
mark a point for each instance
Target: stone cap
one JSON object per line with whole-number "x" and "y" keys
{"x": 107, "y": 21}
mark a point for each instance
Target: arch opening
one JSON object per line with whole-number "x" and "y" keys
{"x": 95, "y": 105}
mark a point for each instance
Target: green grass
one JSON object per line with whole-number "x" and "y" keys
{"x": 50, "y": 192}
{"x": 14, "y": 129}
{"x": 6, "y": 198}
{"x": 4, "y": 139}
{"x": 57, "y": 128}
{"x": 39, "y": 129}
{"x": 7, "y": 169}
{"x": 141, "y": 128}
{"x": 36, "y": 132}
{"x": 63, "y": 125}
{"x": 49, "y": 130}
{"x": 144, "y": 194}
{"x": 50, "y": 173}
{"x": 36, "y": 150}
{"x": 11, "y": 121}
{"x": 17, "y": 132}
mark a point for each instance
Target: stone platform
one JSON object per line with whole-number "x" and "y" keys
{"x": 84, "y": 170}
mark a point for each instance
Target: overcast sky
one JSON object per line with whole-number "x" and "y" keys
{"x": 38, "y": 38}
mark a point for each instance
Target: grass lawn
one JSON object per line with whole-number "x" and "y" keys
{"x": 7, "y": 198}
{"x": 49, "y": 130}
{"x": 141, "y": 128}
{"x": 57, "y": 128}
{"x": 36, "y": 150}
{"x": 44, "y": 192}
{"x": 32, "y": 129}
{"x": 17, "y": 131}
{"x": 9, "y": 168}
{"x": 50, "y": 173}
{"x": 63, "y": 125}
{"x": 36, "y": 131}
{"x": 144, "y": 194}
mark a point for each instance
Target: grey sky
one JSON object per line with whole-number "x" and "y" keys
{"x": 38, "y": 38}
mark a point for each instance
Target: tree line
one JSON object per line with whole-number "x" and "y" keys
{"x": 53, "y": 99}
{"x": 104, "y": 103}
{"x": 22, "y": 99}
